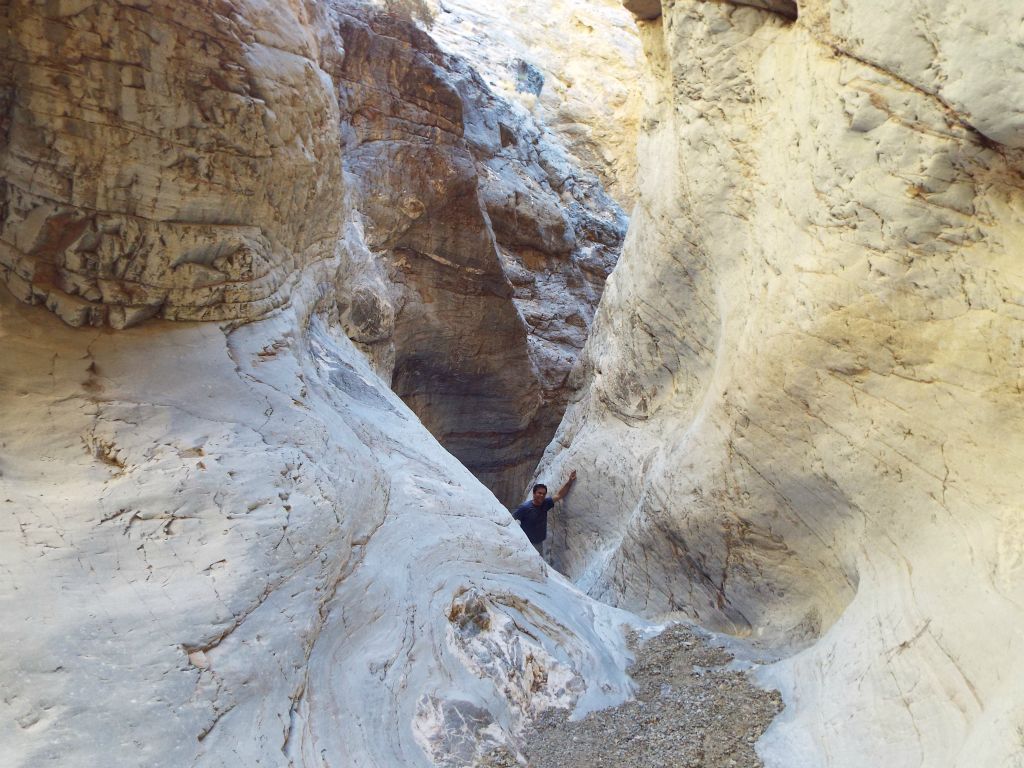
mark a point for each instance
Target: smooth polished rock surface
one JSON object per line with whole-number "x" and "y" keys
{"x": 227, "y": 548}
{"x": 966, "y": 54}
{"x": 799, "y": 413}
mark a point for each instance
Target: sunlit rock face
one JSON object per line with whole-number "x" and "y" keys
{"x": 230, "y": 543}
{"x": 799, "y": 413}
{"x": 966, "y": 55}
{"x": 576, "y": 64}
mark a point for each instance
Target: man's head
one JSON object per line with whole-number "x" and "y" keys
{"x": 540, "y": 491}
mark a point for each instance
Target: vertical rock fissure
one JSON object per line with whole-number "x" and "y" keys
{"x": 489, "y": 244}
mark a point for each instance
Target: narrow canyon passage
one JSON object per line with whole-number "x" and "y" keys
{"x": 485, "y": 277}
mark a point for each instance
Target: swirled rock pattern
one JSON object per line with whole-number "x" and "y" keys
{"x": 799, "y": 414}
{"x": 230, "y": 543}
{"x": 248, "y": 550}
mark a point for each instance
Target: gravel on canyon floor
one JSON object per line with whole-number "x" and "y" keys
{"x": 690, "y": 710}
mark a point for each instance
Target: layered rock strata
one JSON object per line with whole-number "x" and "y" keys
{"x": 229, "y": 542}
{"x": 165, "y": 161}
{"x": 491, "y": 248}
{"x": 800, "y": 406}
{"x": 190, "y": 164}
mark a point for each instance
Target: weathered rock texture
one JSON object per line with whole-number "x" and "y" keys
{"x": 800, "y": 410}
{"x": 229, "y": 543}
{"x": 192, "y": 163}
{"x": 239, "y": 548}
{"x": 166, "y": 160}
{"x": 576, "y": 64}
{"x": 492, "y": 249}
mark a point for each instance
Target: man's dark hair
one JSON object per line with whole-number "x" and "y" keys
{"x": 538, "y": 486}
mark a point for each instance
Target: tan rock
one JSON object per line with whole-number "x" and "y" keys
{"x": 486, "y": 248}
{"x": 166, "y": 166}
{"x": 799, "y": 413}
{"x": 643, "y": 9}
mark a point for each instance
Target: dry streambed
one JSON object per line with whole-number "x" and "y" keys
{"x": 690, "y": 710}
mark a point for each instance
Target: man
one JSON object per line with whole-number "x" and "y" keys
{"x": 533, "y": 514}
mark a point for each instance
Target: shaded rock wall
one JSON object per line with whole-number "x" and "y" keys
{"x": 494, "y": 248}
{"x": 800, "y": 404}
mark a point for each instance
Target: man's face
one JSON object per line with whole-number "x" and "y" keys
{"x": 539, "y": 495}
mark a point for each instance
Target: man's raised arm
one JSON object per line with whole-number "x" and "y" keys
{"x": 565, "y": 488}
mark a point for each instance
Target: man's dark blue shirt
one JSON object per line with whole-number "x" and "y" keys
{"x": 534, "y": 519}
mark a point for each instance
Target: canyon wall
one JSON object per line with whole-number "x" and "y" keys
{"x": 797, "y": 418}
{"x": 486, "y": 248}
{"x": 799, "y": 413}
{"x": 227, "y": 547}
{"x": 575, "y": 64}
{"x": 225, "y": 540}
{"x": 153, "y": 171}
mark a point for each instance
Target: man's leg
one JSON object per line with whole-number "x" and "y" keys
{"x": 542, "y": 549}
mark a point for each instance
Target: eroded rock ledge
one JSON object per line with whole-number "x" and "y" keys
{"x": 178, "y": 161}
{"x": 192, "y": 163}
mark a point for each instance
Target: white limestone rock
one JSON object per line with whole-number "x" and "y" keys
{"x": 799, "y": 415}
{"x": 226, "y": 547}
{"x": 968, "y": 54}
{"x": 575, "y": 64}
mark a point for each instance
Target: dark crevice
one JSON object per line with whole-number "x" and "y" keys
{"x": 788, "y": 9}
{"x": 484, "y": 235}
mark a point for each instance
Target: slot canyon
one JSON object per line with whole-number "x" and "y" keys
{"x": 300, "y": 298}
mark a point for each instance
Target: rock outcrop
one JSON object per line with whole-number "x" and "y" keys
{"x": 238, "y": 547}
{"x": 170, "y": 161}
{"x": 189, "y": 164}
{"x": 799, "y": 411}
{"x": 491, "y": 248}
{"x": 576, "y": 64}
{"x": 229, "y": 542}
